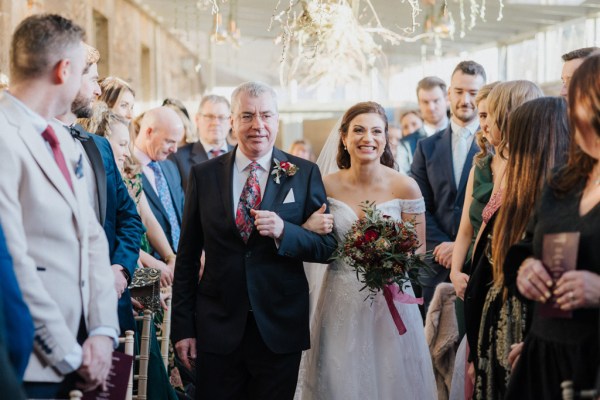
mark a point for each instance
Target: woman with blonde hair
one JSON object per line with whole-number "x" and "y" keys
{"x": 501, "y": 101}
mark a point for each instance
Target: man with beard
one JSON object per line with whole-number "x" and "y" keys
{"x": 115, "y": 210}
{"x": 441, "y": 167}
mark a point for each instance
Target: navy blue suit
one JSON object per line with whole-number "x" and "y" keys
{"x": 433, "y": 170}
{"x": 17, "y": 328}
{"x": 174, "y": 182}
{"x": 239, "y": 277}
{"x": 187, "y": 156}
{"x": 118, "y": 215}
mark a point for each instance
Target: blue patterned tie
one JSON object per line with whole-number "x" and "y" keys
{"x": 249, "y": 199}
{"x": 165, "y": 198}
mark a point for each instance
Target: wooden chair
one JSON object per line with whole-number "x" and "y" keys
{"x": 568, "y": 393}
{"x": 144, "y": 356}
{"x": 128, "y": 341}
{"x": 165, "y": 331}
{"x": 75, "y": 395}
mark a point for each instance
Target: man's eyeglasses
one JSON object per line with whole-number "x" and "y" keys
{"x": 212, "y": 117}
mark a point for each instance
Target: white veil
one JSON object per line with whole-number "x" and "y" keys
{"x": 316, "y": 274}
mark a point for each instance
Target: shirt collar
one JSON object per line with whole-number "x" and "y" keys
{"x": 242, "y": 162}
{"x": 38, "y": 122}
{"x": 472, "y": 127}
{"x": 208, "y": 147}
{"x": 141, "y": 156}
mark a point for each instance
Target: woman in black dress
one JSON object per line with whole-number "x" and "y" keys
{"x": 559, "y": 349}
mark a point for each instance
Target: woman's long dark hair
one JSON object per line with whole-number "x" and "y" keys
{"x": 538, "y": 136}
{"x": 367, "y": 107}
{"x": 584, "y": 90}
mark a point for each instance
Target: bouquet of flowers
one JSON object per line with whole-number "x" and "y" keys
{"x": 382, "y": 251}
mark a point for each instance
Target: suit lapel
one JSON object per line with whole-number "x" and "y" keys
{"x": 198, "y": 154}
{"x": 272, "y": 188}
{"x": 95, "y": 157}
{"x": 152, "y": 196}
{"x": 37, "y": 147}
{"x": 225, "y": 176}
{"x": 468, "y": 164}
{"x": 445, "y": 155}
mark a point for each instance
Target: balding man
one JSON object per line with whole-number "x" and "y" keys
{"x": 160, "y": 131}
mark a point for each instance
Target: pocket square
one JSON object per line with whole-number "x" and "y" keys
{"x": 289, "y": 198}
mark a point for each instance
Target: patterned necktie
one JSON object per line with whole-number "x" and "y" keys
{"x": 164, "y": 194}
{"x": 249, "y": 199}
{"x": 216, "y": 153}
{"x": 50, "y": 137}
{"x": 459, "y": 155}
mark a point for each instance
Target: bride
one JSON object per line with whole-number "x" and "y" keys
{"x": 356, "y": 350}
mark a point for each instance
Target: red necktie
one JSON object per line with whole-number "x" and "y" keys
{"x": 50, "y": 137}
{"x": 216, "y": 152}
{"x": 249, "y": 199}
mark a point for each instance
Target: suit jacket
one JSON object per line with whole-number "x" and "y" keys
{"x": 412, "y": 139}
{"x": 59, "y": 250}
{"x": 10, "y": 384}
{"x": 174, "y": 182}
{"x": 239, "y": 277}
{"x": 433, "y": 170}
{"x": 118, "y": 215}
{"x": 188, "y": 156}
{"x": 18, "y": 325}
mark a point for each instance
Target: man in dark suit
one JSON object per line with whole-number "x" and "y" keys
{"x": 160, "y": 131}
{"x": 246, "y": 321}
{"x": 114, "y": 208}
{"x": 212, "y": 121}
{"x": 441, "y": 167}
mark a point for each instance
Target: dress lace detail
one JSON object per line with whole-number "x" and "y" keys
{"x": 356, "y": 350}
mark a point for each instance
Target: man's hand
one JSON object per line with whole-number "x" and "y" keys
{"x": 120, "y": 281}
{"x": 186, "y": 350}
{"x": 442, "y": 254}
{"x": 459, "y": 281}
{"x": 97, "y": 360}
{"x": 268, "y": 223}
{"x": 319, "y": 222}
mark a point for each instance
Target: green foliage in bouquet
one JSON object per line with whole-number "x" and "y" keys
{"x": 381, "y": 250}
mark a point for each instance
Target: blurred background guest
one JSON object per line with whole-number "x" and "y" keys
{"x": 303, "y": 149}
{"x": 118, "y": 95}
{"x": 412, "y": 131}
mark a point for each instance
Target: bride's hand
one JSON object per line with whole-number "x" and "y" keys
{"x": 319, "y": 222}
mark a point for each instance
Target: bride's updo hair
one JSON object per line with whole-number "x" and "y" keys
{"x": 366, "y": 107}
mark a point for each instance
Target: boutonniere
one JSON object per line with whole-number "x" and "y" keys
{"x": 283, "y": 168}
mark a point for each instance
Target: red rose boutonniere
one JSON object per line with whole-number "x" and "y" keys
{"x": 283, "y": 168}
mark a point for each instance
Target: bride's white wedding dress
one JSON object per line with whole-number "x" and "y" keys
{"x": 356, "y": 351}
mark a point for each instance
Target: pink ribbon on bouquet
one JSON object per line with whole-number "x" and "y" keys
{"x": 391, "y": 293}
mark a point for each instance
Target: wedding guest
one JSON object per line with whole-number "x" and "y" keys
{"x": 118, "y": 95}
{"x": 501, "y": 101}
{"x": 59, "y": 249}
{"x": 477, "y": 194}
{"x": 410, "y": 122}
{"x": 245, "y": 323}
{"x": 412, "y": 132}
{"x": 572, "y": 60}
{"x": 212, "y": 120}
{"x": 351, "y": 333}
{"x": 190, "y": 134}
{"x": 108, "y": 196}
{"x": 432, "y": 96}
{"x": 302, "y": 149}
{"x": 535, "y": 150}
{"x": 559, "y": 349}
{"x": 441, "y": 167}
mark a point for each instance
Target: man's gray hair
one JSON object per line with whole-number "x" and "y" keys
{"x": 213, "y": 99}
{"x": 252, "y": 89}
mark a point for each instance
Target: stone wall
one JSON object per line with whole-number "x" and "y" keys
{"x": 133, "y": 45}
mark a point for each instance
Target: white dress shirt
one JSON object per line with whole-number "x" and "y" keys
{"x": 461, "y": 145}
{"x": 209, "y": 147}
{"x": 431, "y": 129}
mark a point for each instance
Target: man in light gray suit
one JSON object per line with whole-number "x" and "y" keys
{"x": 59, "y": 249}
